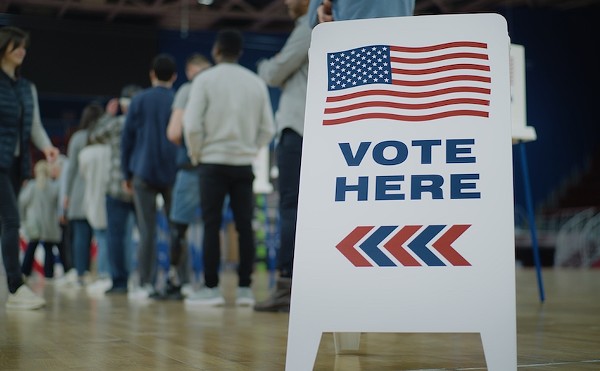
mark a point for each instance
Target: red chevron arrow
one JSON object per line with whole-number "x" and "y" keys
{"x": 346, "y": 246}
{"x": 394, "y": 246}
{"x": 443, "y": 245}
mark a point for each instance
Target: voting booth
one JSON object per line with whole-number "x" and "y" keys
{"x": 405, "y": 218}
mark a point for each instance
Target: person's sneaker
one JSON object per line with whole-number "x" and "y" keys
{"x": 68, "y": 279}
{"x": 142, "y": 293}
{"x": 172, "y": 292}
{"x": 187, "y": 289}
{"x": 24, "y": 299}
{"x": 99, "y": 287}
{"x": 279, "y": 300}
{"x": 244, "y": 298}
{"x": 206, "y": 296}
{"x": 116, "y": 290}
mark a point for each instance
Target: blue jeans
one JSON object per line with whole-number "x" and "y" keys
{"x": 216, "y": 182}
{"x": 118, "y": 235}
{"x": 289, "y": 154}
{"x": 9, "y": 226}
{"x": 82, "y": 240}
{"x": 185, "y": 205}
{"x": 103, "y": 267}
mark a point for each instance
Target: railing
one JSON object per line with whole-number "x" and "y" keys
{"x": 578, "y": 240}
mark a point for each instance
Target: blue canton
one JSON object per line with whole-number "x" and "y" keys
{"x": 360, "y": 66}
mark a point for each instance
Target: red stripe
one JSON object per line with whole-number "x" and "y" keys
{"x": 455, "y": 44}
{"x": 425, "y": 71}
{"x": 442, "y": 80}
{"x": 440, "y": 103}
{"x": 403, "y": 94}
{"x": 389, "y": 116}
{"x": 437, "y": 58}
{"x": 443, "y": 245}
{"x": 346, "y": 247}
{"x": 394, "y": 246}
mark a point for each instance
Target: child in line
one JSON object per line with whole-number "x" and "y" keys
{"x": 38, "y": 203}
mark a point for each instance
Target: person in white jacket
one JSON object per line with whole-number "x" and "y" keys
{"x": 94, "y": 162}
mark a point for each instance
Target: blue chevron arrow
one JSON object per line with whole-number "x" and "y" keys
{"x": 418, "y": 245}
{"x": 369, "y": 246}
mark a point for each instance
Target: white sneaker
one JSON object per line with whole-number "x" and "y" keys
{"x": 68, "y": 279}
{"x": 141, "y": 293}
{"x": 187, "y": 289}
{"x": 99, "y": 286}
{"x": 25, "y": 299}
{"x": 244, "y": 297}
{"x": 206, "y": 297}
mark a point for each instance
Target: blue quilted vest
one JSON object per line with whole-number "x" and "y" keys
{"x": 16, "y": 117}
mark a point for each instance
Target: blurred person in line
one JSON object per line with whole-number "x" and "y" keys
{"x": 20, "y": 124}
{"x": 321, "y": 11}
{"x": 58, "y": 172}
{"x": 186, "y": 200}
{"x": 94, "y": 161}
{"x": 75, "y": 189}
{"x": 288, "y": 70}
{"x": 119, "y": 201}
{"x": 148, "y": 164}
{"x": 228, "y": 118}
{"x": 38, "y": 207}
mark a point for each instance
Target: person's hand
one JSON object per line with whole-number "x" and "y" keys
{"x": 51, "y": 153}
{"x": 127, "y": 186}
{"x": 175, "y": 132}
{"x": 112, "y": 107}
{"x": 324, "y": 12}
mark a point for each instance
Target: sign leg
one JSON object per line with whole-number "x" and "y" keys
{"x": 302, "y": 348}
{"x": 499, "y": 347}
{"x": 346, "y": 342}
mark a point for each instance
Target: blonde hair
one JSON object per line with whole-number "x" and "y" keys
{"x": 41, "y": 171}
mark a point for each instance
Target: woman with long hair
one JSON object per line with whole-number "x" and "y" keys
{"x": 75, "y": 190}
{"x": 20, "y": 124}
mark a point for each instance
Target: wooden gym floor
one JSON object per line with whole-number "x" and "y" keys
{"x": 79, "y": 332}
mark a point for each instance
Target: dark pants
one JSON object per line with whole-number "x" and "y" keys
{"x": 216, "y": 182}
{"x": 117, "y": 215}
{"x": 82, "y": 241}
{"x": 65, "y": 251}
{"x": 9, "y": 222}
{"x": 144, "y": 198}
{"x": 30, "y": 255}
{"x": 289, "y": 155}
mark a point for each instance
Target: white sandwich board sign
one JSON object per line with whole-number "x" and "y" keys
{"x": 405, "y": 219}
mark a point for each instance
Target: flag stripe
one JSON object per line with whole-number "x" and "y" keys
{"x": 438, "y": 58}
{"x": 430, "y": 48}
{"x": 435, "y": 104}
{"x": 442, "y": 80}
{"x": 419, "y": 118}
{"x": 405, "y": 94}
{"x": 451, "y": 67}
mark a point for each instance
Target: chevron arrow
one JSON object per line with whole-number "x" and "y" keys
{"x": 443, "y": 245}
{"x": 394, "y": 246}
{"x": 370, "y": 246}
{"x": 419, "y": 245}
{"x": 346, "y": 246}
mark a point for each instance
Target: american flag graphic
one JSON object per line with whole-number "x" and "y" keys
{"x": 407, "y": 83}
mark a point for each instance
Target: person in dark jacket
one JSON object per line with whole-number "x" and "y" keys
{"x": 148, "y": 163}
{"x": 20, "y": 124}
